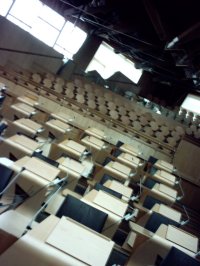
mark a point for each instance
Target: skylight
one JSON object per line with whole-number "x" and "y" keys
{"x": 106, "y": 62}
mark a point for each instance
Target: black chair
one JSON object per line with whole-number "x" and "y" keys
{"x": 156, "y": 219}
{"x": 150, "y": 183}
{"x": 176, "y": 257}
{"x": 116, "y": 194}
{"x": 106, "y": 161}
{"x": 119, "y": 144}
{"x": 2, "y": 98}
{"x": 149, "y": 202}
{"x": 82, "y": 213}
{"x": 45, "y": 159}
{"x": 116, "y": 153}
{"x": 3, "y": 126}
{"x": 6, "y": 174}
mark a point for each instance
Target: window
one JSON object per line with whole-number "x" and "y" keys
{"x": 107, "y": 62}
{"x": 5, "y": 5}
{"x": 70, "y": 40}
{"x": 25, "y": 11}
{"x": 45, "y": 24}
{"x": 192, "y": 104}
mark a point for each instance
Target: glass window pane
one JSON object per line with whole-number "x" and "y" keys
{"x": 44, "y": 32}
{"x": 71, "y": 38}
{"x": 5, "y": 6}
{"x": 113, "y": 62}
{"x": 61, "y": 50}
{"x": 18, "y": 23}
{"x": 52, "y": 17}
{"x": 26, "y": 11}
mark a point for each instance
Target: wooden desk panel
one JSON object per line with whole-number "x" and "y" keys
{"x": 97, "y": 250}
{"x": 129, "y": 149}
{"x": 95, "y": 132}
{"x": 118, "y": 187}
{"x": 58, "y": 125}
{"x": 182, "y": 238}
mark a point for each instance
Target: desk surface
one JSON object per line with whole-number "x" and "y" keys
{"x": 182, "y": 238}
{"x": 164, "y": 165}
{"x": 28, "y": 123}
{"x": 121, "y": 168}
{"x": 27, "y": 100}
{"x": 24, "y": 107}
{"x": 129, "y": 149}
{"x": 62, "y": 116}
{"x": 95, "y": 132}
{"x": 93, "y": 142}
{"x": 59, "y": 125}
{"x": 38, "y": 167}
{"x": 167, "y": 211}
{"x": 42, "y": 246}
{"x": 117, "y": 186}
{"x": 165, "y": 175}
{"x": 71, "y": 164}
{"x": 72, "y": 145}
{"x": 70, "y": 237}
{"x": 106, "y": 202}
{"x": 167, "y": 190}
{"x": 23, "y": 141}
{"x": 129, "y": 158}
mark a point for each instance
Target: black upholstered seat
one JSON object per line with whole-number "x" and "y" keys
{"x": 82, "y": 213}
{"x": 5, "y": 176}
{"x": 156, "y": 219}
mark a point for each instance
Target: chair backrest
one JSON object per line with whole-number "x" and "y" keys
{"x": 149, "y": 202}
{"x": 178, "y": 257}
{"x": 44, "y": 158}
{"x": 149, "y": 182}
{"x": 3, "y": 126}
{"x": 99, "y": 186}
{"x": 156, "y": 219}
{"x": 5, "y": 176}
{"x": 119, "y": 144}
{"x": 82, "y": 213}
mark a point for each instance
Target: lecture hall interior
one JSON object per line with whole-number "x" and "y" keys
{"x": 99, "y": 133}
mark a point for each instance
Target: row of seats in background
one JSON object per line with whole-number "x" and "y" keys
{"x": 52, "y": 169}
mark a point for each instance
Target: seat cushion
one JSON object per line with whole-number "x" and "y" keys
{"x": 5, "y": 176}
{"x": 149, "y": 202}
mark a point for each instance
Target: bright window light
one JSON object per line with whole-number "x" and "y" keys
{"x": 70, "y": 39}
{"x": 18, "y": 23}
{"x": 44, "y": 32}
{"x": 107, "y": 62}
{"x": 5, "y": 6}
{"x": 52, "y": 17}
{"x": 192, "y": 104}
{"x": 26, "y": 11}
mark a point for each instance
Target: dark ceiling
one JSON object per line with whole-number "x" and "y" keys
{"x": 161, "y": 36}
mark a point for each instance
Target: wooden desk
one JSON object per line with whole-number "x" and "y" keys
{"x": 95, "y": 132}
{"x": 179, "y": 238}
{"x": 129, "y": 160}
{"x": 115, "y": 208}
{"x": 118, "y": 187}
{"x": 164, "y": 193}
{"x": 129, "y": 149}
{"x": 22, "y": 143}
{"x": 59, "y": 242}
{"x": 27, "y": 100}
{"x": 160, "y": 164}
{"x": 62, "y": 116}
{"x": 165, "y": 177}
{"x": 93, "y": 142}
{"x": 182, "y": 238}
{"x": 24, "y": 109}
{"x": 168, "y": 212}
{"x": 28, "y": 125}
{"x": 118, "y": 170}
{"x": 72, "y": 148}
{"x": 58, "y": 125}
{"x": 37, "y": 173}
